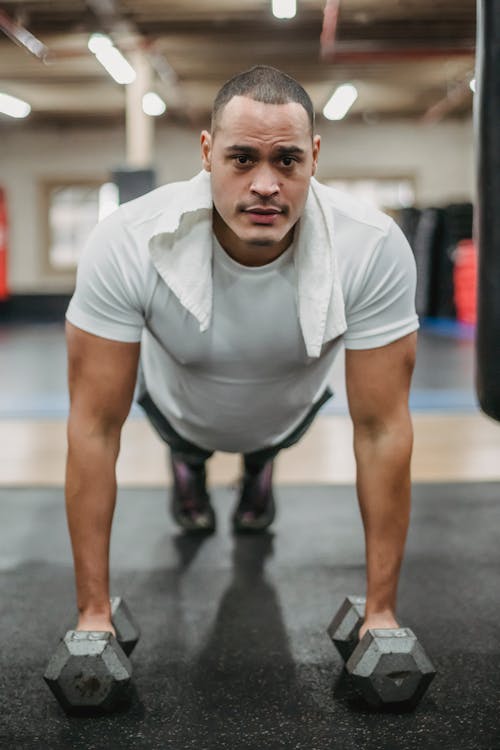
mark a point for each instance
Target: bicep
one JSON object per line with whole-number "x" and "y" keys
{"x": 378, "y": 381}
{"x": 101, "y": 376}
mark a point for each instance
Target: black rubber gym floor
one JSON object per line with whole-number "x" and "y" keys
{"x": 233, "y": 652}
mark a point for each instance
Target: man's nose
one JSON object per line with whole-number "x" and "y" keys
{"x": 265, "y": 182}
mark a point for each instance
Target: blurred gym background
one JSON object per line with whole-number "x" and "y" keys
{"x": 101, "y": 100}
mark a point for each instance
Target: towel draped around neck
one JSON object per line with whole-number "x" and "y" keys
{"x": 182, "y": 245}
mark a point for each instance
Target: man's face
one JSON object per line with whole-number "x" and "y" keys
{"x": 261, "y": 159}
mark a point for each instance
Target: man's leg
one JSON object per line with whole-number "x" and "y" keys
{"x": 256, "y": 508}
{"x": 190, "y": 503}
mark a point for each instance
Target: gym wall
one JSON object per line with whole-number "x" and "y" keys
{"x": 438, "y": 158}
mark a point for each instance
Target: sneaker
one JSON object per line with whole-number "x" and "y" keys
{"x": 256, "y": 507}
{"x": 190, "y": 502}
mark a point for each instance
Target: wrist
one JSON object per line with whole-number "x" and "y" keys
{"x": 101, "y": 608}
{"x": 378, "y": 609}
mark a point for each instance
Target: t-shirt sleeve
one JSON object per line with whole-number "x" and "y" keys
{"x": 107, "y": 300}
{"x": 381, "y": 304}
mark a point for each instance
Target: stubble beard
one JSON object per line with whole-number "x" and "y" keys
{"x": 262, "y": 242}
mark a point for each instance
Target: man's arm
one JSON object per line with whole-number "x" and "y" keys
{"x": 378, "y": 383}
{"x": 102, "y": 375}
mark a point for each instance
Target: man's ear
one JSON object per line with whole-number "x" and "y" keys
{"x": 206, "y": 150}
{"x": 316, "y": 147}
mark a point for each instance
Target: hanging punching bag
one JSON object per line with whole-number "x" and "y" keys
{"x": 487, "y": 217}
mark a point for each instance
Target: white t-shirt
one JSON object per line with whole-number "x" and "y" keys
{"x": 247, "y": 381}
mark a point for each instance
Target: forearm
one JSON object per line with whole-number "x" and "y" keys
{"x": 90, "y": 502}
{"x": 383, "y": 485}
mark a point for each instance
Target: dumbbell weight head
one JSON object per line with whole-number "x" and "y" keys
{"x": 390, "y": 667}
{"x": 345, "y": 626}
{"x": 127, "y": 630}
{"x": 89, "y": 670}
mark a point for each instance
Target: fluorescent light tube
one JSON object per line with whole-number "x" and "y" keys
{"x": 152, "y": 104}
{"x": 340, "y": 102}
{"x": 14, "y": 107}
{"x": 98, "y": 42}
{"x": 285, "y": 8}
{"x": 111, "y": 58}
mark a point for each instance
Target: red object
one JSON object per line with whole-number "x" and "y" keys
{"x": 4, "y": 290}
{"x": 465, "y": 281}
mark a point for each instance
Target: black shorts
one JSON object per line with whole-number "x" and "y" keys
{"x": 193, "y": 453}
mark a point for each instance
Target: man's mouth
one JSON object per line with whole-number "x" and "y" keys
{"x": 262, "y": 215}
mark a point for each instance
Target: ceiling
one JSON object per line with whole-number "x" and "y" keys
{"x": 408, "y": 58}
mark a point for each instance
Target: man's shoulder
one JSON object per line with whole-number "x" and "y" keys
{"x": 354, "y": 210}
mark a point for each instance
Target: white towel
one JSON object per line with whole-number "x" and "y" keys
{"x": 181, "y": 250}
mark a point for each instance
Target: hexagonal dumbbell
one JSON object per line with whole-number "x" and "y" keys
{"x": 344, "y": 628}
{"x": 388, "y": 666}
{"x": 90, "y": 669}
{"x": 127, "y": 630}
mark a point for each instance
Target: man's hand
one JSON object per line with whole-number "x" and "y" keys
{"x": 381, "y": 620}
{"x": 99, "y": 623}
{"x": 378, "y": 383}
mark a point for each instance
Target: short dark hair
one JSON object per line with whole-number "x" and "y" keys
{"x": 264, "y": 84}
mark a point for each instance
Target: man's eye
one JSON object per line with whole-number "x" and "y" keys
{"x": 242, "y": 159}
{"x": 287, "y": 161}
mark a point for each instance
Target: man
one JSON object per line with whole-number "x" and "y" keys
{"x": 235, "y": 291}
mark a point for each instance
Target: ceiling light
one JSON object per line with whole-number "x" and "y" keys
{"x": 284, "y": 8}
{"x": 14, "y": 107}
{"x": 153, "y": 105}
{"x": 340, "y": 102}
{"x": 111, "y": 58}
{"x": 472, "y": 85}
{"x": 99, "y": 42}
